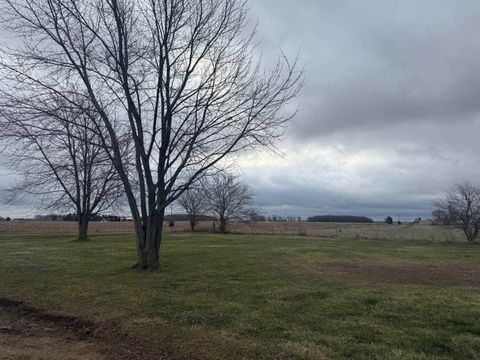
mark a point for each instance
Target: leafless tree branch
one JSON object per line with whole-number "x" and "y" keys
{"x": 177, "y": 78}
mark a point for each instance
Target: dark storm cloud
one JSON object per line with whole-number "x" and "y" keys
{"x": 377, "y": 63}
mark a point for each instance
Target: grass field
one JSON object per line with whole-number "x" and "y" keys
{"x": 262, "y": 297}
{"x": 376, "y": 231}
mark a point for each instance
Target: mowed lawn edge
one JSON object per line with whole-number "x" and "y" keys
{"x": 250, "y": 296}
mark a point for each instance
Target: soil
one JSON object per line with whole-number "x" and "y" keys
{"x": 28, "y": 333}
{"x": 24, "y": 337}
{"x": 368, "y": 273}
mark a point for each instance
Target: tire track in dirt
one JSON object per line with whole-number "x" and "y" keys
{"x": 30, "y": 333}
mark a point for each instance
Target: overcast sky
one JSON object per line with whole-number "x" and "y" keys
{"x": 390, "y": 109}
{"x": 389, "y": 112}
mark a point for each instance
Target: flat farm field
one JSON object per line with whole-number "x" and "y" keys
{"x": 350, "y": 295}
{"x": 375, "y": 231}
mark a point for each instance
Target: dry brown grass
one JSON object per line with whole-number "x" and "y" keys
{"x": 375, "y": 231}
{"x": 360, "y": 272}
{"x": 60, "y": 227}
{"x": 372, "y": 231}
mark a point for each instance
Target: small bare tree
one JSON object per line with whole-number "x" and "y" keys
{"x": 194, "y": 203}
{"x": 462, "y": 204}
{"x": 441, "y": 217}
{"x": 60, "y": 161}
{"x": 176, "y": 77}
{"x": 229, "y": 199}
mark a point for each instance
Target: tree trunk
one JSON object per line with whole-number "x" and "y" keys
{"x": 192, "y": 223}
{"x": 471, "y": 234}
{"x": 475, "y": 233}
{"x": 149, "y": 237}
{"x": 223, "y": 225}
{"x": 83, "y": 228}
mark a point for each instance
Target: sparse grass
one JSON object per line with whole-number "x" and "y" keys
{"x": 375, "y": 231}
{"x": 243, "y": 297}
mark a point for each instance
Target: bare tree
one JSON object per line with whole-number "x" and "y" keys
{"x": 462, "y": 204}
{"x": 441, "y": 217}
{"x": 194, "y": 203}
{"x": 60, "y": 162}
{"x": 229, "y": 198}
{"x": 177, "y": 77}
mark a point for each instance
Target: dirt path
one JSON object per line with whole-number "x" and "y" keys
{"x": 24, "y": 338}
{"x": 27, "y": 333}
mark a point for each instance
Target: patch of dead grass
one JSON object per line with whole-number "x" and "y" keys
{"x": 361, "y": 272}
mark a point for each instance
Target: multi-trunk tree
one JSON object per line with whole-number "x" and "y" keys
{"x": 61, "y": 163}
{"x": 195, "y": 204}
{"x": 461, "y": 204}
{"x": 177, "y": 78}
{"x": 229, "y": 198}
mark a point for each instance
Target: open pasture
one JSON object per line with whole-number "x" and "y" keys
{"x": 375, "y": 231}
{"x": 258, "y": 297}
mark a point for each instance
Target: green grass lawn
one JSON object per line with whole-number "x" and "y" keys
{"x": 259, "y": 297}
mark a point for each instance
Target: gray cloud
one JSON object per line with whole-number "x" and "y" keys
{"x": 391, "y": 92}
{"x": 389, "y": 113}
{"x": 376, "y": 63}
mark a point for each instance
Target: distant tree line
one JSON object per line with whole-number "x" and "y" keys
{"x": 340, "y": 219}
{"x": 277, "y": 218}
{"x": 74, "y": 217}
